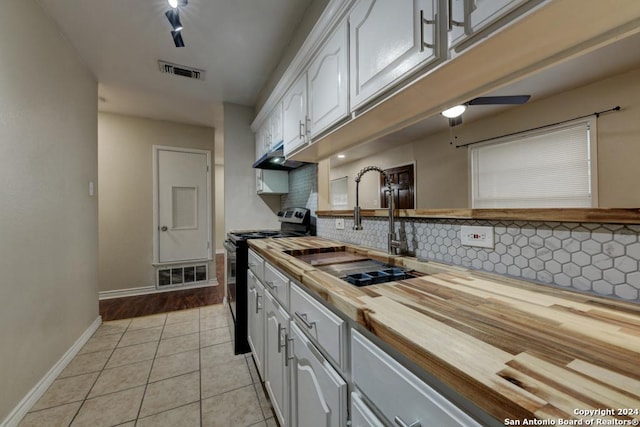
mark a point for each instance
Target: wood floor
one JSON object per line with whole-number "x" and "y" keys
{"x": 144, "y": 305}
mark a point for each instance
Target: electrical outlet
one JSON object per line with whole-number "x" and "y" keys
{"x": 339, "y": 223}
{"x": 476, "y": 236}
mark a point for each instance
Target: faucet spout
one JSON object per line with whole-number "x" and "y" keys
{"x": 393, "y": 244}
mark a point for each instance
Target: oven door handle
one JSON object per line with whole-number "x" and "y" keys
{"x": 229, "y": 246}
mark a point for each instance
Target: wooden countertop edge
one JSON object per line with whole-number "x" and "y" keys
{"x": 352, "y": 302}
{"x": 587, "y": 215}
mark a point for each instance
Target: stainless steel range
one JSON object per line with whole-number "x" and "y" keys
{"x": 293, "y": 222}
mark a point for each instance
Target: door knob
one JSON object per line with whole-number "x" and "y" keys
{"x": 163, "y": 228}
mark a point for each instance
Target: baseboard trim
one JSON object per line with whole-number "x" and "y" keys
{"x": 146, "y": 290}
{"x": 18, "y": 413}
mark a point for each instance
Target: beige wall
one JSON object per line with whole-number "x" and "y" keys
{"x": 442, "y": 171}
{"x": 48, "y": 236}
{"x": 219, "y": 211}
{"x": 125, "y": 147}
{"x": 244, "y": 209}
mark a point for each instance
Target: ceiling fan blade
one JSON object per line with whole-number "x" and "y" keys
{"x": 498, "y": 100}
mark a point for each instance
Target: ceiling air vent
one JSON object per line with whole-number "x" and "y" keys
{"x": 181, "y": 70}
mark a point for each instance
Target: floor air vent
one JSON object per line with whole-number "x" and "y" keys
{"x": 182, "y": 275}
{"x": 181, "y": 70}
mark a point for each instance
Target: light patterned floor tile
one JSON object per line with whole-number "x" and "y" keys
{"x": 171, "y": 393}
{"x": 60, "y": 416}
{"x": 110, "y": 409}
{"x": 236, "y": 408}
{"x": 178, "y": 344}
{"x": 66, "y": 390}
{"x": 263, "y": 398}
{"x": 120, "y": 322}
{"x": 214, "y": 322}
{"x": 217, "y": 354}
{"x": 255, "y": 377}
{"x": 132, "y": 354}
{"x": 106, "y": 342}
{"x": 109, "y": 329}
{"x": 183, "y": 316}
{"x": 146, "y": 322}
{"x": 184, "y": 416}
{"x": 121, "y": 378}
{"x": 221, "y": 379}
{"x": 213, "y": 310}
{"x": 140, "y": 336}
{"x": 175, "y": 365}
{"x": 86, "y": 363}
{"x": 214, "y": 336}
{"x": 183, "y": 328}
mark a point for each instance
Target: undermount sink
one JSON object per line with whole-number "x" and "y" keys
{"x": 351, "y": 267}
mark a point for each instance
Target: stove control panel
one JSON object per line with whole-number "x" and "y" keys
{"x": 293, "y": 215}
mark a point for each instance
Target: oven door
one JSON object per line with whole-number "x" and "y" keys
{"x": 231, "y": 267}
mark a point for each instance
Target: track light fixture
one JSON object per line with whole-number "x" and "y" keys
{"x": 177, "y": 38}
{"x": 173, "y": 16}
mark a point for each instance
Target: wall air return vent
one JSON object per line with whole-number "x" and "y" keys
{"x": 181, "y": 70}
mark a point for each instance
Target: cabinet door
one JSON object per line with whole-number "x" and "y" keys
{"x": 294, "y": 110}
{"x": 319, "y": 394}
{"x": 484, "y": 12}
{"x": 276, "y": 126}
{"x": 457, "y": 18}
{"x": 255, "y": 322}
{"x": 388, "y": 40}
{"x": 327, "y": 77}
{"x": 275, "y": 363}
{"x": 259, "y": 182}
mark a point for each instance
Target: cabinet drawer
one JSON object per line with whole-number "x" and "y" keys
{"x": 277, "y": 283}
{"x": 361, "y": 416}
{"x": 256, "y": 264}
{"x": 397, "y": 393}
{"x": 319, "y": 323}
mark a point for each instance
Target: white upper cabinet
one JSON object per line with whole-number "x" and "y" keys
{"x": 388, "y": 41}
{"x": 262, "y": 139}
{"x": 327, "y": 82}
{"x": 294, "y": 109}
{"x": 275, "y": 126}
{"x": 467, "y": 17}
{"x": 484, "y": 12}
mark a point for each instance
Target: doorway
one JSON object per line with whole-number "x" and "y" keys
{"x": 182, "y": 205}
{"x": 402, "y": 183}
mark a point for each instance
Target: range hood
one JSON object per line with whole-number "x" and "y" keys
{"x": 275, "y": 160}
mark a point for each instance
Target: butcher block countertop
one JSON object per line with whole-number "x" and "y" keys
{"x": 517, "y": 350}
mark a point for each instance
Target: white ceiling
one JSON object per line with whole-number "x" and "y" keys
{"x": 237, "y": 42}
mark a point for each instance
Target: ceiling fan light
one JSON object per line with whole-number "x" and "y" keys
{"x": 173, "y": 3}
{"x": 455, "y": 111}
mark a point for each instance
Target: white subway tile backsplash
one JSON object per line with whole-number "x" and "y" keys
{"x": 597, "y": 258}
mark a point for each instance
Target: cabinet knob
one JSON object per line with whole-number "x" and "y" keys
{"x": 163, "y": 228}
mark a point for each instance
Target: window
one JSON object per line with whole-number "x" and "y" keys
{"x": 339, "y": 194}
{"x": 543, "y": 169}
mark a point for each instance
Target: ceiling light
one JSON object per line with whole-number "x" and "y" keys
{"x": 454, "y": 111}
{"x": 341, "y": 156}
{"x": 173, "y": 3}
{"x": 173, "y": 16}
{"x": 177, "y": 38}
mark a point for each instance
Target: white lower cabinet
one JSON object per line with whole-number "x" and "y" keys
{"x": 361, "y": 415}
{"x": 276, "y": 363}
{"x": 398, "y": 394}
{"x": 256, "y": 320}
{"x": 318, "y": 393}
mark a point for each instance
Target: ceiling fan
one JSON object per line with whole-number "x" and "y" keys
{"x": 454, "y": 114}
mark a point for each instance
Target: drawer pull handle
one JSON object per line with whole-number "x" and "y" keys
{"x": 271, "y": 284}
{"x": 287, "y": 340}
{"x": 303, "y": 318}
{"x": 258, "y": 303}
{"x": 400, "y": 423}
{"x": 252, "y": 264}
{"x": 280, "y": 345}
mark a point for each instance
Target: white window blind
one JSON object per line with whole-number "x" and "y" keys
{"x": 339, "y": 193}
{"x": 553, "y": 168}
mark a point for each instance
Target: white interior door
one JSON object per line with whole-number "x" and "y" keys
{"x": 183, "y": 205}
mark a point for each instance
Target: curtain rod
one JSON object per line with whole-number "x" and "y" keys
{"x": 597, "y": 114}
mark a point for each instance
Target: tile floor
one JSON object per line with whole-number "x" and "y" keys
{"x": 172, "y": 369}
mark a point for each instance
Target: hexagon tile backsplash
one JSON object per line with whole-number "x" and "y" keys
{"x": 595, "y": 258}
